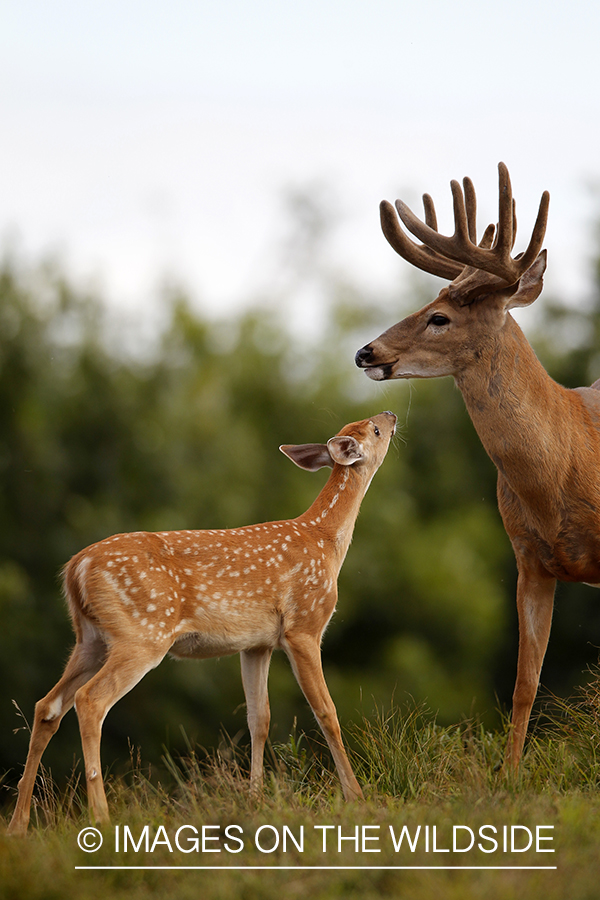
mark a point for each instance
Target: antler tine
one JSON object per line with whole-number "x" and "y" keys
{"x": 422, "y": 257}
{"x": 505, "y": 238}
{"x": 461, "y": 225}
{"x": 430, "y": 216}
{"x": 471, "y": 202}
{"x": 537, "y": 237}
{"x": 487, "y": 239}
{"x": 514, "y": 227}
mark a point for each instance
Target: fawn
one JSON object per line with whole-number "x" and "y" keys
{"x": 133, "y": 598}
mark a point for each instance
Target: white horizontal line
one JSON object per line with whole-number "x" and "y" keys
{"x": 329, "y": 868}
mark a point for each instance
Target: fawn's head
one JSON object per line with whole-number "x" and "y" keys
{"x": 452, "y": 332}
{"x": 361, "y": 444}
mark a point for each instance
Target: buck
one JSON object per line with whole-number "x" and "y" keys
{"x": 543, "y": 438}
{"x": 133, "y": 598}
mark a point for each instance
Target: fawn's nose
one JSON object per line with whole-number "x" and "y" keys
{"x": 363, "y": 356}
{"x": 394, "y": 417}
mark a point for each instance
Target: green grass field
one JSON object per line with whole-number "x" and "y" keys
{"x": 439, "y": 820}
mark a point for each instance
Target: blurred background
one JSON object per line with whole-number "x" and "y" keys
{"x": 191, "y": 255}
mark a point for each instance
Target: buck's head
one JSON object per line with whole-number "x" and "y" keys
{"x": 362, "y": 445}
{"x": 452, "y": 333}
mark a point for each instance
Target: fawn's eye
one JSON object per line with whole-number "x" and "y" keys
{"x": 439, "y": 319}
{"x": 376, "y": 430}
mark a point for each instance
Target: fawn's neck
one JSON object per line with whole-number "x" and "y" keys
{"x": 333, "y": 514}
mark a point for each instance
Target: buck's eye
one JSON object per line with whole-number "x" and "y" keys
{"x": 439, "y": 320}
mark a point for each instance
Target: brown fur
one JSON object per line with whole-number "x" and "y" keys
{"x": 543, "y": 438}
{"x": 134, "y": 598}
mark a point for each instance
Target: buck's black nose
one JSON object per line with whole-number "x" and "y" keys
{"x": 363, "y": 356}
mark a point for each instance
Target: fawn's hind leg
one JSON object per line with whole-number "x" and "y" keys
{"x": 125, "y": 666}
{"x": 86, "y": 659}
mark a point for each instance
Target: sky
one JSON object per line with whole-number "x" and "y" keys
{"x": 150, "y": 141}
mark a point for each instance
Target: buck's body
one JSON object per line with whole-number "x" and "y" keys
{"x": 135, "y": 597}
{"x": 549, "y": 483}
{"x": 543, "y": 438}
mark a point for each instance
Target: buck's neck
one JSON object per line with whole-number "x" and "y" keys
{"x": 333, "y": 514}
{"x": 520, "y": 413}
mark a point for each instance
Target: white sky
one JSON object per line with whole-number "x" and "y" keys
{"x": 139, "y": 139}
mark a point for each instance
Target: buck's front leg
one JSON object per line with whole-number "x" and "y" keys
{"x": 255, "y": 673}
{"x": 535, "y": 601}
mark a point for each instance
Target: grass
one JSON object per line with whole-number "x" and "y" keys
{"x": 435, "y": 782}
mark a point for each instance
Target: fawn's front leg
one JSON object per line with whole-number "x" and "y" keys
{"x": 255, "y": 673}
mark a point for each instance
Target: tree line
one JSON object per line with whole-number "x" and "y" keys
{"x": 100, "y": 435}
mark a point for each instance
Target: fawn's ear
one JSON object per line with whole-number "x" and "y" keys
{"x": 308, "y": 456}
{"x": 345, "y": 449}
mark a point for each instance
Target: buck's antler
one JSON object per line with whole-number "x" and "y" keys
{"x": 459, "y": 256}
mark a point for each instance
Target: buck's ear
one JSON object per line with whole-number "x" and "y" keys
{"x": 345, "y": 449}
{"x": 308, "y": 456}
{"x": 530, "y": 285}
